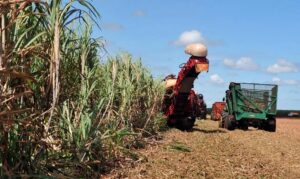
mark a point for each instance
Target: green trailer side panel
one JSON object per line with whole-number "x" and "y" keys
{"x": 252, "y": 100}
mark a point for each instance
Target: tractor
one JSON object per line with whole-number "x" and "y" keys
{"x": 216, "y": 111}
{"x": 250, "y": 104}
{"x": 180, "y": 101}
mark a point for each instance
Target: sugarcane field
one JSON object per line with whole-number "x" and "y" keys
{"x": 161, "y": 89}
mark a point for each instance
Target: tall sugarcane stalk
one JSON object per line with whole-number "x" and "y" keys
{"x": 55, "y": 64}
{"x": 2, "y": 33}
{"x": 4, "y": 139}
{"x": 33, "y": 26}
{"x": 95, "y": 107}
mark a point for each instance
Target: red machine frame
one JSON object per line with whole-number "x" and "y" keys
{"x": 180, "y": 110}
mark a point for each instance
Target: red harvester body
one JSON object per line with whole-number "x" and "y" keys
{"x": 180, "y": 101}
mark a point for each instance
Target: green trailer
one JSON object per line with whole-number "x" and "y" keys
{"x": 250, "y": 104}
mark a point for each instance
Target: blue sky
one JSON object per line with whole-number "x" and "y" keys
{"x": 248, "y": 41}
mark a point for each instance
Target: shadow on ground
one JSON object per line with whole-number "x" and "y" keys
{"x": 208, "y": 131}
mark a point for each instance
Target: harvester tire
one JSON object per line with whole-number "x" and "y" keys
{"x": 229, "y": 123}
{"x": 203, "y": 116}
{"x": 187, "y": 123}
{"x": 270, "y": 125}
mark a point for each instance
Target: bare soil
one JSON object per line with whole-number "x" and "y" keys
{"x": 210, "y": 152}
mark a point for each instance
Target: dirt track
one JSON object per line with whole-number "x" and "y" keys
{"x": 210, "y": 152}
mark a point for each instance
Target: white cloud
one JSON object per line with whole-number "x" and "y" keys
{"x": 285, "y": 82}
{"x": 276, "y": 80}
{"x": 244, "y": 63}
{"x": 229, "y": 62}
{"x": 189, "y": 37}
{"x": 282, "y": 66}
{"x": 215, "y": 78}
{"x": 113, "y": 26}
{"x": 291, "y": 82}
{"x": 139, "y": 13}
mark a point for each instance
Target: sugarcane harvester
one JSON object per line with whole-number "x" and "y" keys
{"x": 180, "y": 101}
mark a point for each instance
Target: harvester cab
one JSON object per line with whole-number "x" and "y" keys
{"x": 250, "y": 104}
{"x": 179, "y": 102}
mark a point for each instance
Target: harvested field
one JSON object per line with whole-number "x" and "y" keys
{"x": 210, "y": 152}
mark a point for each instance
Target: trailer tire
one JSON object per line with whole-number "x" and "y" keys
{"x": 270, "y": 125}
{"x": 221, "y": 124}
{"x": 223, "y": 116}
{"x": 243, "y": 124}
{"x": 229, "y": 122}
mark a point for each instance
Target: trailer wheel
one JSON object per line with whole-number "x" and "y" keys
{"x": 229, "y": 122}
{"x": 270, "y": 125}
{"x": 223, "y": 116}
{"x": 221, "y": 124}
{"x": 243, "y": 124}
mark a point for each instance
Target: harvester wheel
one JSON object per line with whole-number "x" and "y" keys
{"x": 203, "y": 116}
{"x": 229, "y": 122}
{"x": 170, "y": 123}
{"x": 186, "y": 123}
{"x": 270, "y": 125}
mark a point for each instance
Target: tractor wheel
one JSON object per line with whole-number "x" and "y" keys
{"x": 243, "y": 124}
{"x": 229, "y": 122}
{"x": 270, "y": 125}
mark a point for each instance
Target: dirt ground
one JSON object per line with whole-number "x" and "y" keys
{"x": 210, "y": 152}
